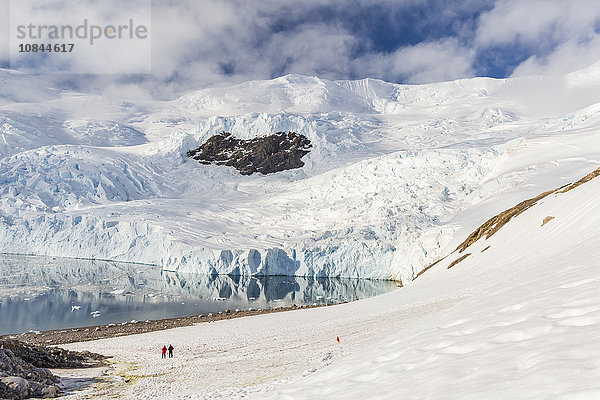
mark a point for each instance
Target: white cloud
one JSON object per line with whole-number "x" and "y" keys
{"x": 121, "y": 54}
{"x": 561, "y": 35}
{"x": 425, "y": 62}
{"x": 568, "y": 56}
{"x": 313, "y": 49}
{"x": 519, "y": 21}
{"x": 199, "y": 43}
{"x": 208, "y": 42}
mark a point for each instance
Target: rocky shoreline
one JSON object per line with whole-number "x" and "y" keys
{"x": 24, "y": 369}
{"x": 84, "y": 334}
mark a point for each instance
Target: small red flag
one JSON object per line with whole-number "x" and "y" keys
{"x": 338, "y": 339}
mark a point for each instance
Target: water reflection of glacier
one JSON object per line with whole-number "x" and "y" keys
{"x": 52, "y": 293}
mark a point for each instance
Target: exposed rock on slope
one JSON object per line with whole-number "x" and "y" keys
{"x": 50, "y": 357}
{"x": 492, "y": 225}
{"x": 495, "y": 223}
{"x": 266, "y": 154}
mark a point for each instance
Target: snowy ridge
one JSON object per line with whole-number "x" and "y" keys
{"x": 388, "y": 98}
{"x": 104, "y": 133}
{"x": 396, "y": 173}
{"x": 17, "y": 136}
{"x": 293, "y": 93}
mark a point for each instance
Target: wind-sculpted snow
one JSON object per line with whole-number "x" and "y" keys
{"x": 294, "y": 93}
{"x": 390, "y": 180}
{"x": 104, "y": 133}
{"x": 20, "y": 132}
{"x": 17, "y": 136}
{"x": 302, "y": 94}
{"x": 586, "y": 118}
{"x": 388, "y": 98}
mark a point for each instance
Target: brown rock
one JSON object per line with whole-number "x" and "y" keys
{"x": 266, "y": 154}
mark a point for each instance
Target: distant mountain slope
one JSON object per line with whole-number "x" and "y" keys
{"x": 497, "y": 222}
{"x": 395, "y": 174}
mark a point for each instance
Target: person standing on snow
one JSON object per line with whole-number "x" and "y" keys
{"x": 164, "y": 352}
{"x": 170, "y": 351}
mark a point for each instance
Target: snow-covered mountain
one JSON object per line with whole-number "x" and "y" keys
{"x": 517, "y": 319}
{"x": 397, "y": 175}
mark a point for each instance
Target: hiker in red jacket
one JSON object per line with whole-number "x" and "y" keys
{"x": 164, "y": 352}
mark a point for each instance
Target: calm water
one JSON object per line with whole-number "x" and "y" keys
{"x": 52, "y": 293}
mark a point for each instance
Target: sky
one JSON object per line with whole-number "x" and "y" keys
{"x": 203, "y": 43}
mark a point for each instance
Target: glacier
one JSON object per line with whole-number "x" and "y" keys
{"x": 397, "y": 173}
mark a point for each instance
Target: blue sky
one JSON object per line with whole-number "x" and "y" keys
{"x": 385, "y": 27}
{"x": 200, "y": 43}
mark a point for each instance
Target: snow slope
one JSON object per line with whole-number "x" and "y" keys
{"x": 393, "y": 178}
{"x": 518, "y": 320}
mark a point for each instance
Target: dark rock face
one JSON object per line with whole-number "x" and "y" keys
{"x": 50, "y": 357}
{"x": 20, "y": 379}
{"x": 23, "y": 372}
{"x": 267, "y": 154}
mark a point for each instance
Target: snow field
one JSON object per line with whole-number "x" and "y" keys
{"x": 518, "y": 320}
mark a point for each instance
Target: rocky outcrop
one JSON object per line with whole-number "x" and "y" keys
{"x": 50, "y": 357}
{"x": 20, "y": 379}
{"x": 494, "y": 224}
{"x": 266, "y": 154}
{"x": 24, "y": 373}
